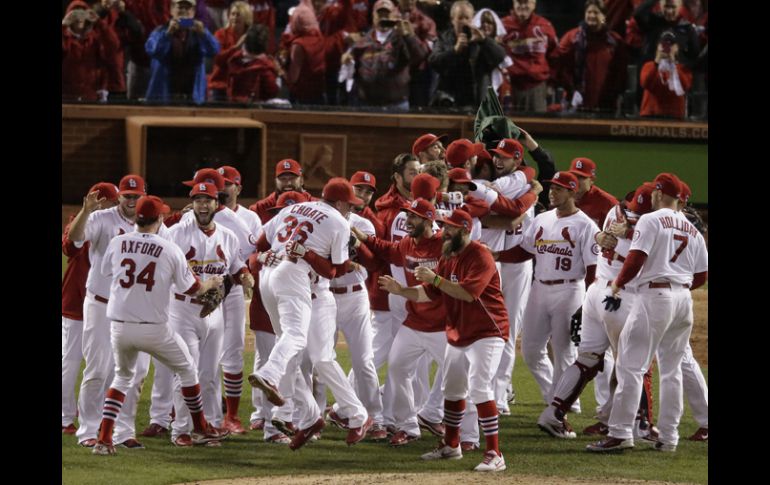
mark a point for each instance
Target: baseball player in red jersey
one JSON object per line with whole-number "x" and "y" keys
{"x": 422, "y": 329}
{"x": 467, "y": 284}
{"x": 562, "y": 242}
{"x": 669, "y": 257}
{"x": 287, "y": 294}
{"x": 73, "y": 292}
{"x": 596, "y": 203}
{"x": 429, "y": 147}
{"x": 98, "y": 227}
{"x": 143, "y": 267}
{"x": 600, "y": 328}
{"x": 210, "y": 249}
{"x": 288, "y": 176}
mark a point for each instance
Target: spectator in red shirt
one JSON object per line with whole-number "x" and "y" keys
{"x": 665, "y": 81}
{"x": 592, "y": 62}
{"x": 251, "y": 74}
{"x": 231, "y": 39}
{"x": 306, "y": 64}
{"x": 130, "y": 34}
{"x": 530, "y": 40}
{"x": 467, "y": 284}
{"x": 589, "y": 198}
{"x": 264, "y": 13}
{"x": 88, "y": 53}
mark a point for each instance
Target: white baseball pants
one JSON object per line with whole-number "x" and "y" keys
{"x": 71, "y": 356}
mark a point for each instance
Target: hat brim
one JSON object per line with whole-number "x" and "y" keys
{"x": 582, "y": 174}
{"x": 131, "y": 192}
{"x": 367, "y": 184}
{"x": 291, "y": 171}
{"x": 450, "y": 223}
{"x": 501, "y": 153}
{"x": 412, "y": 211}
{"x": 562, "y": 184}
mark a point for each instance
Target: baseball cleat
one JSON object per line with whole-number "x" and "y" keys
{"x": 154, "y": 430}
{"x": 503, "y": 411}
{"x": 337, "y": 420}
{"x": 651, "y": 436}
{"x": 701, "y": 435}
{"x": 512, "y": 397}
{"x": 556, "y": 428}
{"x": 131, "y": 444}
{"x": 444, "y": 452}
{"x": 436, "y": 429}
{"x": 661, "y": 446}
{"x": 357, "y": 434}
{"x": 401, "y": 438}
{"x": 183, "y": 440}
{"x": 233, "y": 425}
{"x": 209, "y": 434}
{"x": 610, "y": 444}
{"x": 271, "y": 392}
{"x": 257, "y": 425}
{"x": 377, "y": 433}
{"x": 391, "y": 429}
{"x": 284, "y": 427}
{"x": 492, "y": 463}
{"x": 304, "y": 435}
{"x": 278, "y": 439}
{"x": 597, "y": 428}
{"x": 103, "y": 449}
{"x": 69, "y": 429}
{"x": 89, "y": 443}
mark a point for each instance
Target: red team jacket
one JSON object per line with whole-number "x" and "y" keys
{"x": 388, "y": 206}
{"x": 227, "y": 41}
{"x": 529, "y": 45}
{"x": 486, "y": 316}
{"x": 658, "y": 99}
{"x": 73, "y": 285}
{"x": 596, "y": 203}
{"x": 251, "y": 79}
{"x": 311, "y": 82}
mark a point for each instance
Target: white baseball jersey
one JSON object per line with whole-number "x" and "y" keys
{"x": 151, "y": 262}
{"x": 563, "y": 246}
{"x": 674, "y": 247}
{"x": 610, "y": 261}
{"x": 359, "y": 275}
{"x": 101, "y": 227}
{"x": 398, "y": 232}
{"x": 215, "y": 252}
{"x": 444, "y": 209}
{"x": 316, "y": 225}
{"x": 250, "y": 218}
{"x": 512, "y": 186}
{"x": 225, "y": 216}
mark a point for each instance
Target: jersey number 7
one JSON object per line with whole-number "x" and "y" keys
{"x": 682, "y": 245}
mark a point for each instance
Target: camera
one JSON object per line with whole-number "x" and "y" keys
{"x": 388, "y": 22}
{"x": 186, "y": 23}
{"x": 467, "y": 31}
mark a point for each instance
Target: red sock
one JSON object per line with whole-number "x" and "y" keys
{"x": 233, "y": 385}
{"x": 489, "y": 424}
{"x": 192, "y": 397}
{"x": 113, "y": 401}
{"x": 453, "y": 416}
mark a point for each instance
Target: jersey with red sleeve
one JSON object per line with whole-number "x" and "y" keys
{"x": 73, "y": 284}
{"x": 486, "y": 316}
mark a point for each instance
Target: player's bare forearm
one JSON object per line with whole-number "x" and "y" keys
{"x": 413, "y": 293}
{"x": 208, "y": 284}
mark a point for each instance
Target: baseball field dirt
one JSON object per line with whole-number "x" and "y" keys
{"x": 426, "y": 479}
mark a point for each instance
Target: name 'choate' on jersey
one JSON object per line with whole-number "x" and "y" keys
{"x": 309, "y": 212}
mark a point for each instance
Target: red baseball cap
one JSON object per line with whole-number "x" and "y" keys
{"x": 567, "y": 180}
{"x": 424, "y": 186}
{"x": 149, "y": 208}
{"x": 364, "y": 178}
{"x": 207, "y": 176}
{"x": 509, "y": 148}
{"x": 421, "y": 208}
{"x": 165, "y": 209}
{"x": 460, "y": 176}
{"x": 204, "y": 188}
{"x": 686, "y": 193}
{"x": 459, "y": 151}
{"x": 425, "y": 141}
{"x": 132, "y": 185}
{"x": 339, "y": 189}
{"x": 641, "y": 202}
{"x": 459, "y": 218}
{"x": 289, "y": 198}
{"x": 231, "y": 174}
{"x": 669, "y": 184}
{"x": 288, "y": 165}
{"x": 583, "y": 167}
{"x": 106, "y": 191}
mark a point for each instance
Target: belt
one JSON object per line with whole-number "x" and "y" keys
{"x": 101, "y": 299}
{"x": 609, "y": 283}
{"x": 344, "y": 289}
{"x": 556, "y": 282}
{"x": 184, "y": 298}
{"x": 121, "y": 321}
{"x": 666, "y": 285}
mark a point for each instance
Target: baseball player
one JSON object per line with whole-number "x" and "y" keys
{"x": 600, "y": 328}
{"x": 142, "y": 267}
{"x": 468, "y": 285}
{"x": 286, "y": 292}
{"x": 98, "y": 227}
{"x": 73, "y": 292}
{"x": 429, "y": 147}
{"x": 288, "y": 176}
{"x": 596, "y": 203}
{"x": 422, "y": 329}
{"x": 210, "y": 249}
{"x": 562, "y": 243}
{"x": 670, "y": 257}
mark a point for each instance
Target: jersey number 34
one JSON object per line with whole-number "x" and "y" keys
{"x": 145, "y": 277}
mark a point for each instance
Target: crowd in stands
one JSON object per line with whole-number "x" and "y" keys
{"x": 619, "y": 58}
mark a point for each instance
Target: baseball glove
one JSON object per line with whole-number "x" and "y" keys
{"x": 612, "y": 303}
{"x": 695, "y": 219}
{"x": 211, "y": 300}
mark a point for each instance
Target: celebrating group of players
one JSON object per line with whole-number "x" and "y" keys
{"x": 441, "y": 272}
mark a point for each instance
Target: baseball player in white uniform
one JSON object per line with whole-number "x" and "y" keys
{"x": 142, "y": 267}
{"x": 98, "y": 227}
{"x": 287, "y": 294}
{"x": 562, "y": 241}
{"x": 600, "y": 327}
{"x": 210, "y": 249}
{"x": 670, "y": 257}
